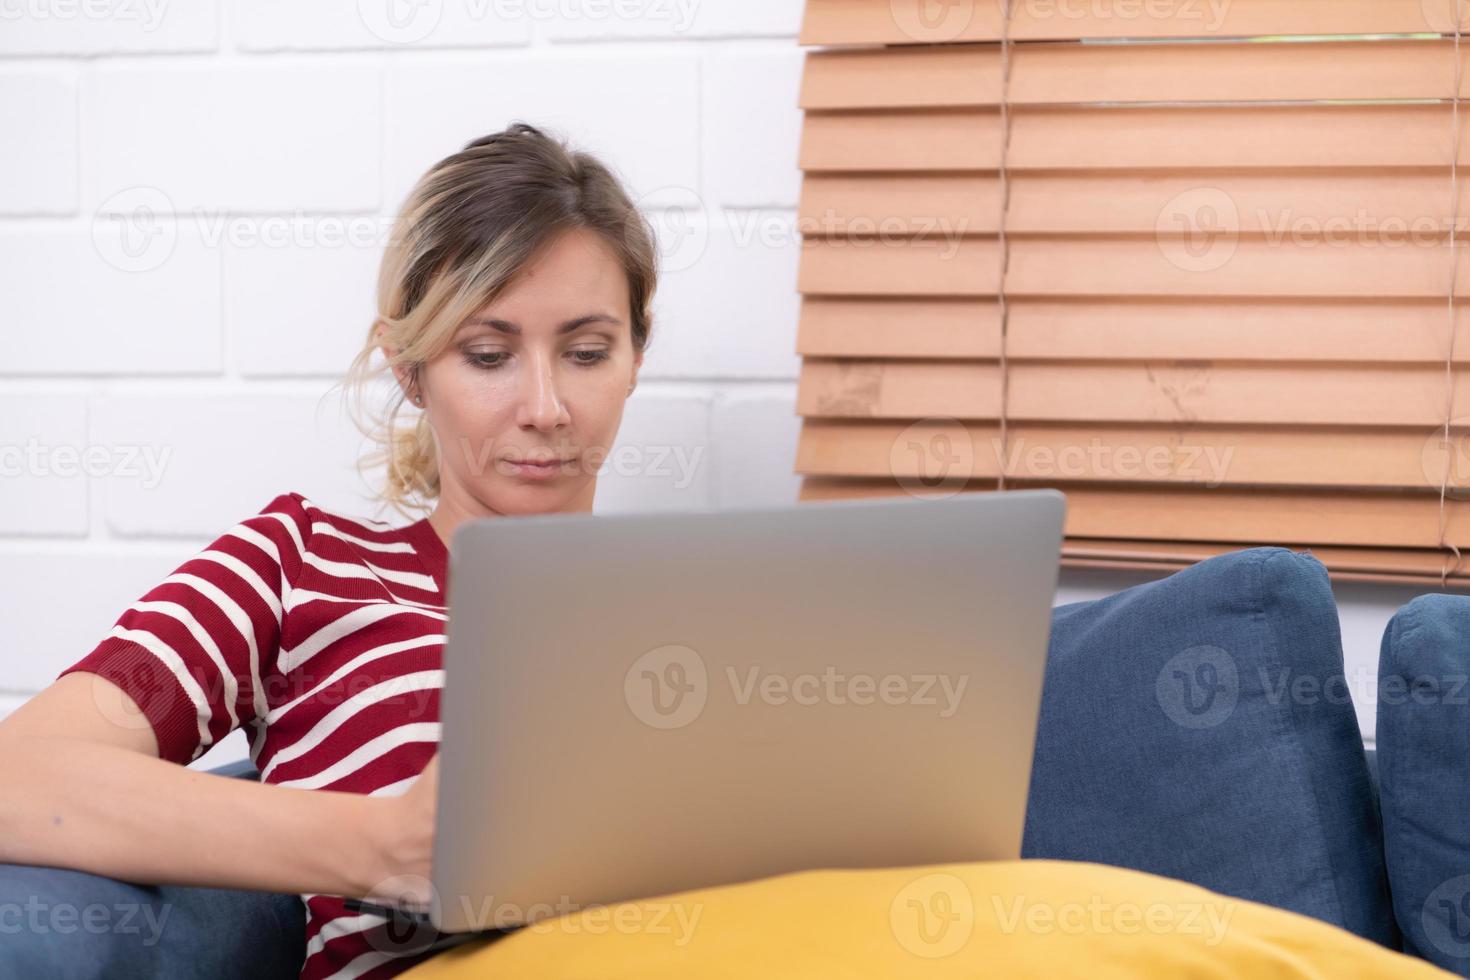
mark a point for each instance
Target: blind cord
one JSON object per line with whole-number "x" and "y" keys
{"x": 1446, "y": 569}
{"x": 1003, "y": 241}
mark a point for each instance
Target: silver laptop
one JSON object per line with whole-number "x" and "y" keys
{"x": 637, "y": 705}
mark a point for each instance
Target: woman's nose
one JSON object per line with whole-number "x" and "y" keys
{"x": 540, "y": 401}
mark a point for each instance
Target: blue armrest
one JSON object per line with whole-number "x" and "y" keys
{"x": 57, "y": 922}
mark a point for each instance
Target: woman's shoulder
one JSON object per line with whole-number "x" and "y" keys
{"x": 329, "y": 529}
{"x": 406, "y": 555}
{"x": 313, "y": 517}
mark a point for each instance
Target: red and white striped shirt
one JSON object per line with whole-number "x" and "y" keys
{"x": 322, "y": 636}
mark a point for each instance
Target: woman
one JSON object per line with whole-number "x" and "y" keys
{"x": 513, "y": 306}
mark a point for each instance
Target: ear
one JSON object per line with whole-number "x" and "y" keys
{"x": 637, "y": 363}
{"x": 399, "y": 373}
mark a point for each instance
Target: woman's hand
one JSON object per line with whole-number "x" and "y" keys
{"x": 404, "y": 844}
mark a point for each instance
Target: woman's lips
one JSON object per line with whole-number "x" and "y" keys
{"x": 538, "y": 469}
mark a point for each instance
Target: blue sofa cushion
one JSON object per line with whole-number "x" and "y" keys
{"x": 1199, "y": 727}
{"x": 1424, "y": 774}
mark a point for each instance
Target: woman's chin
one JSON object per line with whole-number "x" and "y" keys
{"x": 538, "y": 496}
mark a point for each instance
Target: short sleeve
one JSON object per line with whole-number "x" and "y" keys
{"x": 193, "y": 650}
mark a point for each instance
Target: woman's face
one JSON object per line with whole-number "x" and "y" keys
{"x": 540, "y": 375}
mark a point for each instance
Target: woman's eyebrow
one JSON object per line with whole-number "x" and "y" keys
{"x": 505, "y": 326}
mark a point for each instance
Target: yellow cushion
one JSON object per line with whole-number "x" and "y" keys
{"x": 1000, "y": 919}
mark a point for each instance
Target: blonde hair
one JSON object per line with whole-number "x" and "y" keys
{"x": 466, "y": 229}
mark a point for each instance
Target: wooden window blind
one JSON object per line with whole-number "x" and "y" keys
{"x": 1189, "y": 261}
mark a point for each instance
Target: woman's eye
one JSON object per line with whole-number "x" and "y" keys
{"x": 494, "y": 359}
{"x": 490, "y": 360}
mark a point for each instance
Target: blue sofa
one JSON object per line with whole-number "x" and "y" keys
{"x": 1198, "y": 726}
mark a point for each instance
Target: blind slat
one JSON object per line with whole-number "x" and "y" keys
{"x": 1138, "y": 330}
{"x": 844, "y": 22}
{"x": 1187, "y": 265}
{"x": 1377, "y": 207}
{"x": 1222, "y": 515}
{"x": 1133, "y": 138}
{"x": 1043, "y": 74}
{"x": 1172, "y": 392}
{"x": 1207, "y": 456}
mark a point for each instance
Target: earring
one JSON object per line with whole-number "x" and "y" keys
{"x": 418, "y": 399}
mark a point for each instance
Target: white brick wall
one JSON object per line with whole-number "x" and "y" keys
{"x": 191, "y": 196}
{"x": 191, "y": 216}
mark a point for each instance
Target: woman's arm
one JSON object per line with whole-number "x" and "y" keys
{"x": 83, "y": 792}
